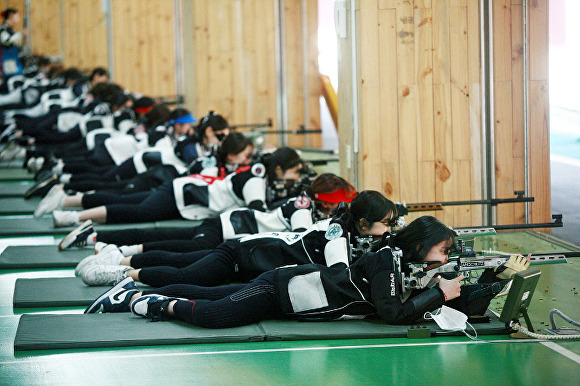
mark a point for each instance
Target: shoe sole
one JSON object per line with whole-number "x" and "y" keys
{"x": 41, "y": 185}
{"x": 47, "y": 208}
{"x": 73, "y": 235}
{"x": 106, "y": 294}
{"x": 100, "y": 281}
{"x": 90, "y": 260}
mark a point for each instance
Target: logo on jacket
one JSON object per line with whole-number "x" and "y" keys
{"x": 393, "y": 285}
{"x": 258, "y": 170}
{"x": 334, "y": 232}
{"x": 302, "y": 202}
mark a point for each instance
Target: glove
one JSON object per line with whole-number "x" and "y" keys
{"x": 515, "y": 264}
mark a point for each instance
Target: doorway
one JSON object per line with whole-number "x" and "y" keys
{"x": 565, "y": 115}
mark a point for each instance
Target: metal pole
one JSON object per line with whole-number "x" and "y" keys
{"x": 281, "y": 94}
{"x": 177, "y": 30}
{"x": 525, "y": 107}
{"x": 61, "y": 28}
{"x": 28, "y": 26}
{"x": 354, "y": 91}
{"x": 305, "y": 57}
{"x": 487, "y": 109}
{"x": 108, "y": 10}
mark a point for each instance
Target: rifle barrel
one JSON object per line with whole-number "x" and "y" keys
{"x": 493, "y": 202}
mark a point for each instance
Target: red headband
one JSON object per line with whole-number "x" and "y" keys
{"x": 144, "y": 110}
{"x": 335, "y": 197}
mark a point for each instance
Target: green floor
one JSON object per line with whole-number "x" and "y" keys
{"x": 450, "y": 361}
{"x": 453, "y": 360}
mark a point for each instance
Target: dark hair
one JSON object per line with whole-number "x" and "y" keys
{"x": 213, "y": 120}
{"x": 234, "y": 144}
{"x": 72, "y": 74}
{"x": 42, "y": 61}
{"x": 178, "y": 112}
{"x": 284, "y": 157}
{"x": 109, "y": 93}
{"x": 328, "y": 183}
{"x": 417, "y": 238}
{"x": 158, "y": 115}
{"x": 371, "y": 206}
{"x": 8, "y": 12}
{"x": 100, "y": 71}
{"x": 55, "y": 70}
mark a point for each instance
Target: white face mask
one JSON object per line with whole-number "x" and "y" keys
{"x": 450, "y": 319}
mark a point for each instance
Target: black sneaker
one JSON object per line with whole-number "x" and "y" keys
{"x": 77, "y": 237}
{"x": 42, "y": 174}
{"x": 117, "y": 299}
{"x": 153, "y": 307}
{"x": 42, "y": 187}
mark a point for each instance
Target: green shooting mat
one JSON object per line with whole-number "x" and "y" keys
{"x": 18, "y": 205}
{"x": 56, "y": 292}
{"x": 14, "y": 189}
{"x": 41, "y": 256}
{"x": 11, "y": 174}
{"x": 28, "y": 226}
{"x": 58, "y": 331}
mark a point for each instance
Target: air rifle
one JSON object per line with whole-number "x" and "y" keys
{"x": 253, "y": 125}
{"x": 493, "y": 202}
{"x": 463, "y": 260}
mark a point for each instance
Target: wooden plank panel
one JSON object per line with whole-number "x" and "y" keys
{"x": 144, "y": 46}
{"x": 201, "y": 55}
{"x": 539, "y": 139}
{"x": 370, "y": 138}
{"x": 387, "y": 4}
{"x": 312, "y": 74}
{"x": 84, "y": 34}
{"x": 518, "y": 145}
{"x": 388, "y": 111}
{"x": 474, "y": 77}
{"x": 519, "y": 174}
{"x": 443, "y": 152}
{"x": 408, "y": 99}
{"x": 461, "y": 178}
{"x": 294, "y": 56}
{"x": 502, "y": 48}
{"x": 460, "y": 83}
{"x": 424, "y": 76}
{"x": 504, "y": 167}
{"x": 45, "y": 23}
{"x": 538, "y": 35}
{"x": 441, "y": 44}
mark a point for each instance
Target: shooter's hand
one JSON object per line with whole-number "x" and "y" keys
{"x": 515, "y": 264}
{"x": 451, "y": 288}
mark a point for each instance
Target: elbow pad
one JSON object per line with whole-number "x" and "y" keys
{"x": 257, "y": 205}
{"x": 427, "y": 301}
{"x": 335, "y": 252}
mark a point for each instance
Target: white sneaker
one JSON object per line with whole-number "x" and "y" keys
{"x": 78, "y": 237}
{"x": 104, "y": 274}
{"x": 110, "y": 255}
{"x": 58, "y": 168}
{"x": 53, "y": 200}
{"x": 99, "y": 245}
{"x": 65, "y": 218}
{"x": 35, "y": 164}
{"x": 12, "y": 151}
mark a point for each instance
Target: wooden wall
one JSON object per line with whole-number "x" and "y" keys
{"x": 419, "y": 106}
{"x": 229, "y": 53}
{"x": 234, "y": 61}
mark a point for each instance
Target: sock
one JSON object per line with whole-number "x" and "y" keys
{"x": 128, "y": 250}
{"x": 183, "y": 310}
{"x": 92, "y": 238}
{"x": 65, "y": 178}
{"x": 75, "y": 215}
